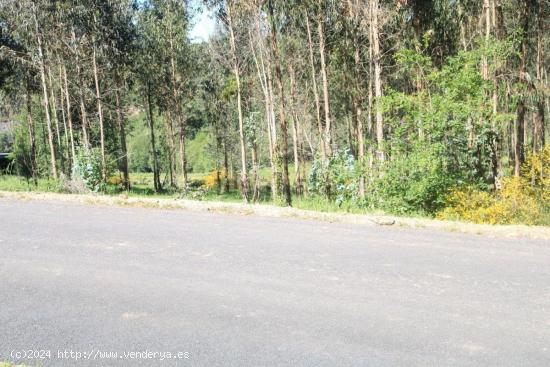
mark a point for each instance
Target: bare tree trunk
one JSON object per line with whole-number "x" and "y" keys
{"x": 169, "y": 131}
{"x": 283, "y": 149}
{"x": 377, "y": 81}
{"x": 156, "y": 176}
{"x": 179, "y": 119}
{"x": 55, "y": 120}
{"x": 100, "y": 115}
{"x": 69, "y": 116}
{"x": 295, "y": 134}
{"x": 183, "y": 155}
{"x": 225, "y": 162}
{"x": 519, "y": 131}
{"x": 242, "y": 139}
{"x": 357, "y": 98}
{"x": 46, "y": 102}
{"x": 328, "y": 127}
{"x": 32, "y": 138}
{"x": 255, "y": 171}
{"x": 64, "y": 119}
{"x": 539, "y": 131}
{"x": 314, "y": 87}
{"x": 122, "y": 137}
{"x": 370, "y": 122}
{"x": 265, "y": 83}
{"x": 276, "y": 176}
{"x": 83, "y": 115}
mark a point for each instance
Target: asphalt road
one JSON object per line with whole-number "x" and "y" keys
{"x": 225, "y": 290}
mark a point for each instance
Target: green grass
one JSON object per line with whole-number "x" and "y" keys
{"x": 142, "y": 187}
{"x": 17, "y": 183}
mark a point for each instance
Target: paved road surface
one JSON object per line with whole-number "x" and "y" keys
{"x": 244, "y": 291}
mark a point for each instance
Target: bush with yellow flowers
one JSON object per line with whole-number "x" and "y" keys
{"x": 114, "y": 180}
{"x": 520, "y": 200}
{"x": 211, "y": 181}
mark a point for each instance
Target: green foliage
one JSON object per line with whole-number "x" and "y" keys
{"x": 198, "y": 157}
{"x": 451, "y": 105}
{"x": 338, "y": 174}
{"x": 87, "y": 168}
{"x": 519, "y": 200}
{"x": 21, "y": 151}
{"x": 415, "y": 183}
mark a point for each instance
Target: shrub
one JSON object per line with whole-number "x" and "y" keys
{"x": 213, "y": 179}
{"x": 87, "y": 168}
{"x": 416, "y": 183}
{"x": 519, "y": 200}
{"x": 340, "y": 173}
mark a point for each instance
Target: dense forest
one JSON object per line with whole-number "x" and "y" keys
{"x": 434, "y": 107}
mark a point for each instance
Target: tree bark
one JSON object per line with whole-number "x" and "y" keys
{"x": 100, "y": 115}
{"x": 315, "y": 89}
{"x": 46, "y": 102}
{"x": 265, "y": 83}
{"x": 156, "y": 175}
{"x": 519, "y": 130}
{"x": 539, "y": 131}
{"x": 69, "y": 115}
{"x": 324, "y": 78}
{"x": 242, "y": 138}
{"x": 55, "y": 120}
{"x": 295, "y": 135}
{"x": 122, "y": 137}
{"x": 183, "y": 155}
{"x": 283, "y": 149}
{"x": 357, "y": 98}
{"x": 82, "y": 101}
{"x": 32, "y": 138}
{"x": 377, "y": 80}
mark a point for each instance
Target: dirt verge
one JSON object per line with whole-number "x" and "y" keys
{"x": 509, "y": 231}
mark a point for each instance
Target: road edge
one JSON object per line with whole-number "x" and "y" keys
{"x": 502, "y": 231}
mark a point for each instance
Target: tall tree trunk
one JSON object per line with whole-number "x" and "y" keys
{"x": 183, "y": 155}
{"x": 67, "y": 153}
{"x": 324, "y": 78}
{"x": 55, "y": 119}
{"x": 276, "y": 174}
{"x": 377, "y": 80}
{"x": 225, "y": 161}
{"x": 242, "y": 138}
{"x": 315, "y": 89}
{"x": 255, "y": 171}
{"x": 268, "y": 104}
{"x": 151, "y": 121}
{"x": 370, "y": 99}
{"x": 519, "y": 131}
{"x": 539, "y": 131}
{"x": 100, "y": 115}
{"x": 122, "y": 136}
{"x": 295, "y": 134}
{"x": 179, "y": 117}
{"x": 283, "y": 148}
{"x": 82, "y": 100}
{"x": 32, "y": 137}
{"x": 357, "y": 96}
{"x": 69, "y": 115}
{"x": 170, "y": 139}
{"x": 46, "y": 102}
{"x": 488, "y": 10}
